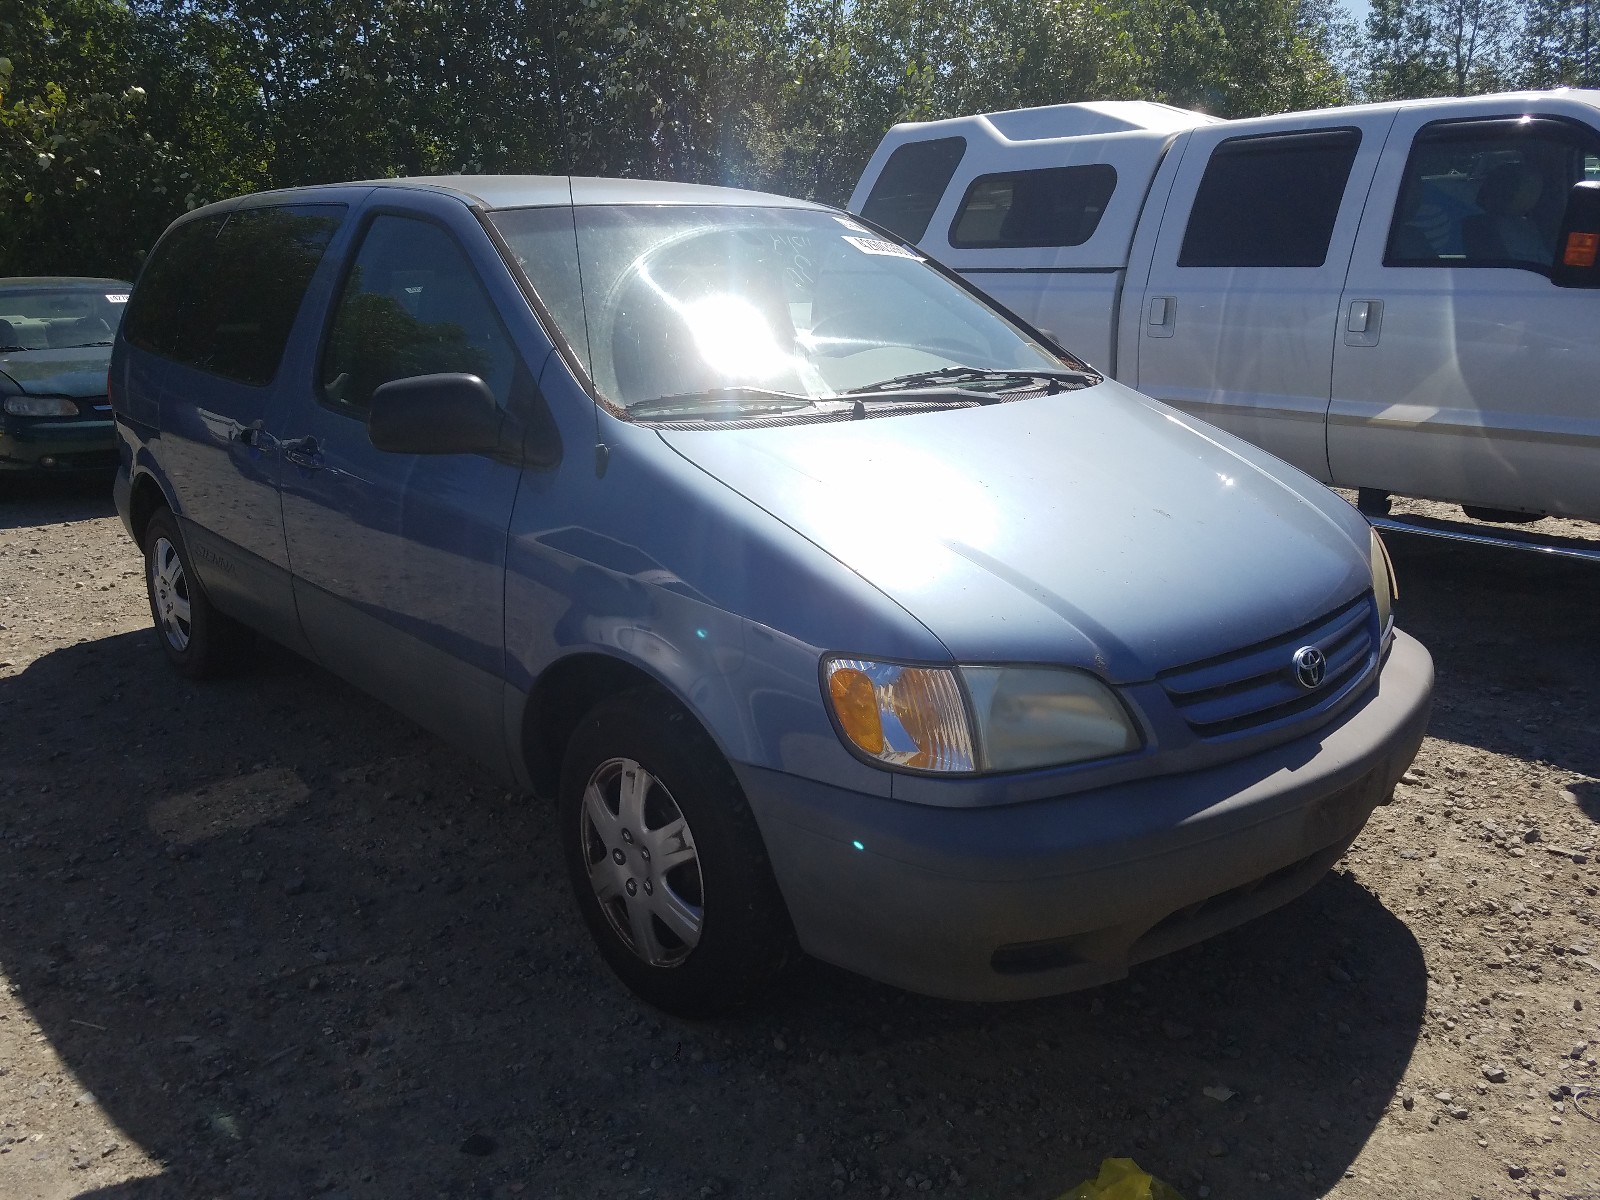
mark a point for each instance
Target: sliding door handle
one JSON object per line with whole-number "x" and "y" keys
{"x": 303, "y": 452}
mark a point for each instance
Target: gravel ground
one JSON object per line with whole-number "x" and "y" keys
{"x": 263, "y": 938}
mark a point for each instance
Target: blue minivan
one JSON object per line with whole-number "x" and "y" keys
{"x": 838, "y": 609}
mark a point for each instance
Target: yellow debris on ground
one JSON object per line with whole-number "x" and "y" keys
{"x": 1122, "y": 1179}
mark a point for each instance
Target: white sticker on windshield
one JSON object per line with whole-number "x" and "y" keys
{"x": 117, "y": 297}
{"x": 849, "y": 224}
{"x": 871, "y": 245}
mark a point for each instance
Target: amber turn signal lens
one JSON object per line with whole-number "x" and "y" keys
{"x": 904, "y": 716}
{"x": 1581, "y": 249}
{"x": 856, "y": 706}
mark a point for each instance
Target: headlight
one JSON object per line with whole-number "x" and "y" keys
{"x": 40, "y": 406}
{"x": 1043, "y": 716}
{"x": 1020, "y": 717}
{"x": 1384, "y": 586}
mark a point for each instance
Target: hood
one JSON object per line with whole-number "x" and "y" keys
{"x": 78, "y": 371}
{"x": 1098, "y": 528}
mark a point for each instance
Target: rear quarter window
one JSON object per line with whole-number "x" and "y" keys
{"x": 911, "y": 184}
{"x": 1053, "y": 206}
{"x": 221, "y": 293}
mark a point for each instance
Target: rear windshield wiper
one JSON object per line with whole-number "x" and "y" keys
{"x": 745, "y": 398}
{"x": 977, "y": 380}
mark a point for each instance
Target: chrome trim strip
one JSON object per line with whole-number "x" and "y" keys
{"x": 1475, "y": 535}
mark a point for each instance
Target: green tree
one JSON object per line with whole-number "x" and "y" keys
{"x": 1439, "y": 48}
{"x": 107, "y": 131}
{"x": 119, "y": 114}
{"x": 1560, "y": 44}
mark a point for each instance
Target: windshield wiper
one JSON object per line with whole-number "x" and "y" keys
{"x": 971, "y": 380}
{"x": 84, "y": 345}
{"x": 746, "y": 398}
{"x": 11, "y": 349}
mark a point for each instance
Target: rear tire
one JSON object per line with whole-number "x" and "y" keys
{"x": 1374, "y": 502}
{"x": 665, "y": 860}
{"x": 198, "y": 641}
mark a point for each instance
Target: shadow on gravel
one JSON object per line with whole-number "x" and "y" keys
{"x": 34, "y": 501}
{"x": 1588, "y": 795}
{"x": 1516, "y": 642}
{"x": 294, "y": 947}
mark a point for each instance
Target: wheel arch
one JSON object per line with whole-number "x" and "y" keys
{"x": 145, "y": 499}
{"x": 565, "y": 692}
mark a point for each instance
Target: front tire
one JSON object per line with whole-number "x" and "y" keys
{"x": 198, "y": 641}
{"x": 665, "y": 860}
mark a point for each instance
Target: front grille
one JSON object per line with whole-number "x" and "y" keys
{"x": 1256, "y": 686}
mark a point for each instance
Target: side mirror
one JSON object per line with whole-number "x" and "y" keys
{"x": 1575, "y": 264}
{"x": 452, "y": 413}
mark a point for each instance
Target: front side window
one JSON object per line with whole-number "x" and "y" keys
{"x": 412, "y": 305}
{"x": 222, "y": 292}
{"x": 1270, "y": 201}
{"x": 911, "y": 184}
{"x": 1055, "y": 206}
{"x": 686, "y": 302}
{"x": 1487, "y": 193}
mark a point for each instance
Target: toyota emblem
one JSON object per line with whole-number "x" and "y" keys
{"x": 1310, "y": 665}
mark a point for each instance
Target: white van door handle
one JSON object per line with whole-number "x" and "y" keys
{"x": 1163, "y": 314}
{"x": 1363, "y": 322}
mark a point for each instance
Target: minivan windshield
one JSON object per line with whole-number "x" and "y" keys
{"x": 680, "y": 310}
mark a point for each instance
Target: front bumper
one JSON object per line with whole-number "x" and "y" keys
{"x": 54, "y": 446}
{"x": 1054, "y": 895}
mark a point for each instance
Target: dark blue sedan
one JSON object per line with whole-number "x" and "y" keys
{"x": 55, "y": 346}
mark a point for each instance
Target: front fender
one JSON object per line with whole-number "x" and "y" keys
{"x": 755, "y": 690}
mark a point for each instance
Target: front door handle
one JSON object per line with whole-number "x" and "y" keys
{"x": 303, "y": 452}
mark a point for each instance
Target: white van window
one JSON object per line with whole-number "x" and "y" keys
{"x": 1054, "y": 206}
{"x": 1487, "y": 193}
{"x": 912, "y": 181}
{"x": 1270, "y": 201}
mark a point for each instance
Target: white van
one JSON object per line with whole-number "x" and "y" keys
{"x": 1395, "y": 297}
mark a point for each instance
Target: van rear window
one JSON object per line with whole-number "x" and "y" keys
{"x": 911, "y": 183}
{"x": 1053, "y": 206}
{"x": 221, "y": 293}
{"x": 1270, "y": 201}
